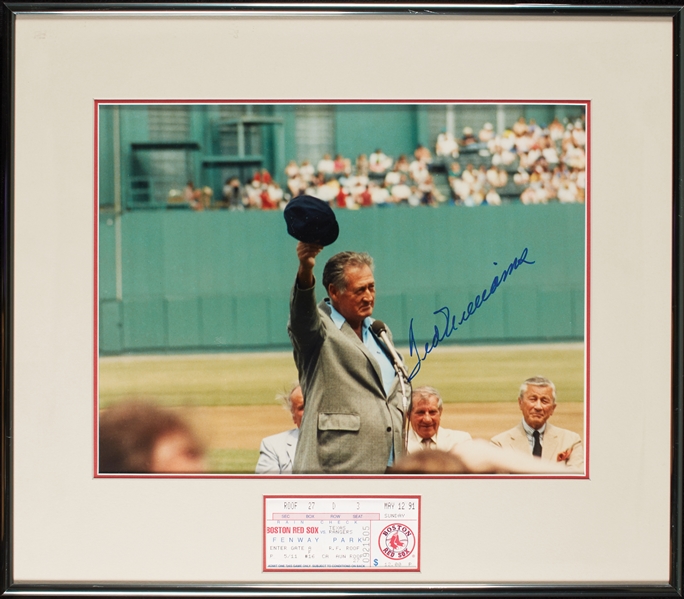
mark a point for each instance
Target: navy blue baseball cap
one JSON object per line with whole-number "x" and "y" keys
{"x": 311, "y": 220}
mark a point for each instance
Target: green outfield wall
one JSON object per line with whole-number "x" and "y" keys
{"x": 174, "y": 281}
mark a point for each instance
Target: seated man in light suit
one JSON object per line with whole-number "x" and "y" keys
{"x": 425, "y": 415}
{"x": 535, "y": 435}
{"x": 276, "y": 453}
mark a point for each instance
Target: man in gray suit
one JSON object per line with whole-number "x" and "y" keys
{"x": 277, "y": 452}
{"x": 353, "y": 416}
{"x": 535, "y": 435}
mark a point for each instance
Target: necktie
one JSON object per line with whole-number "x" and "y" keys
{"x": 536, "y": 450}
{"x": 427, "y": 443}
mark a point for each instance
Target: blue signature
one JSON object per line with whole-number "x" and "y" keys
{"x": 450, "y": 324}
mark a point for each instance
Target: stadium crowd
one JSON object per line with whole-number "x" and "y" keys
{"x": 528, "y": 162}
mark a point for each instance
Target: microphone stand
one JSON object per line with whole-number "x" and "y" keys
{"x": 379, "y": 329}
{"x": 405, "y": 405}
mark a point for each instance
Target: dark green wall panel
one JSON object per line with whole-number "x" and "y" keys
{"x": 107, "y": 271}
{"x": 252, "y": 326}
{"x": 520, "y": 313}
{"x": 221, "y": 280}
{"x": 183, "y": 322}
{"x": 555, "y": 313}
{"x": 111, "y": 327}
{"x": 218, "y": 322}
{"x": 144, "y": 324}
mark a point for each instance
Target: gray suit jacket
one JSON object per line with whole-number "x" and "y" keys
{"x": 556, "y": 442}
{"x": 277, "y": 452}
{"x": 349, "y": 423}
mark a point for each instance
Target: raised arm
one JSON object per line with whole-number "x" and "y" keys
{"x": 306, "y": 252}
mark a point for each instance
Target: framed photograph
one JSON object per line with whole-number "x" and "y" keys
{"x": 500, "y": 186}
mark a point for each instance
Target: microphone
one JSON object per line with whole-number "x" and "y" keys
{"x": 378, "y": 327}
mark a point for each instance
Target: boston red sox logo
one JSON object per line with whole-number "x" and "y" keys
{"x": 397, "y": 541}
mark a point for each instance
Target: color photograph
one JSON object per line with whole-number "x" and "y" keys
{"x": 347, "y": 289}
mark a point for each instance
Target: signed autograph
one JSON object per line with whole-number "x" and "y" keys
{"x": 450, "y": 324}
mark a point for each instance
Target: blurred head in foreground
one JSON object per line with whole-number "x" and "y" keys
{"x": 429, "y": 462}
{"x": 137, "y": 437}
{"x": 477, "y": 456}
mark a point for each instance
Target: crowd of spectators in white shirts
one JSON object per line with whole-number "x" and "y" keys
{"x": 534, "y": 164}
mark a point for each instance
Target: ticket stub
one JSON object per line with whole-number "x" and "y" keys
{"x": 342, "y": 533}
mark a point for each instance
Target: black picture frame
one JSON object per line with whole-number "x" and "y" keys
{"x": 675, "y": 586}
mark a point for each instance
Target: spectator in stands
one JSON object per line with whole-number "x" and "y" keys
{"x": 365, "y": 198}
{"x": 379, "y": 162}
{"x": 579, "y": 136}
{"x": 495, "y": 178}
{"x": 341, "y": 166}
{"x": 393, "y": 177}
{"x": 556, "y": 130}
{"x": 475, "y": 198}
{"x": 326, "y": 166}
{"x": 296, "y": 186}
{"x": 427, "y": 192}
{"x": 533, "y": 128}
{"x": 574, "y": 157}
{"x": 460, "y": 188}
{"x": 357, "y": 187}
{"x": 549, "y": 151}
{"x": 454, "y": 169}
{"x": 401, "y": 191}
{"x": 468, "y": 138}
{"x": 306, "y": 171}
{"x": 361, "y": 167}
{"x": 201, "y": 198}
{"x": 253, "y": 193}
{"x": 341, "y": 197}
{"x": 291, "y": 170}
{"x": 469, "y": 175}
{"x": 266, "y": 201}
{"x": 567, "y": 192}
{"x": 327, "y": 190}
{"x": 492, "y": 198}
{"x": 422, "y": 154}
{"x": 521, "y": 177}
{"x": 502, "y": 149}
{"x": 402, "y": 165}
{"x": 415, "y": 197}
{"x": 232, "y": 194}
{"x": 380, "y": 195}
{"x": 446, "y": 145}
{"x": 419, "y": 171}
{"x": 520, "y": 127}
{"x": 580, "y": 178}
{"x": 523, "y": 143}
{"x": 481, "y": 175}
{"x": 486, "y": 134}
{"x": 189, "y": 193}
{"x": 138, "y": 438}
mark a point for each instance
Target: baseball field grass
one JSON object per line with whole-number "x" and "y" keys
{"x": 229, "y": 399}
